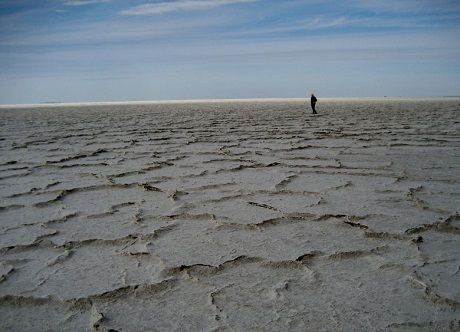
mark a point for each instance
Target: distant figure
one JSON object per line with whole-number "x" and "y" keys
{"x": 313, "y": 103}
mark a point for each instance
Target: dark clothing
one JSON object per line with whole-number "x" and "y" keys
{"x": 313, "y": 103}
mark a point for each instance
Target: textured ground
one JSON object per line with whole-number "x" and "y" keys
{"x": 231, "y": 216}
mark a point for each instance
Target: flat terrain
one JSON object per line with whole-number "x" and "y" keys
{"x": 231, "y": 216}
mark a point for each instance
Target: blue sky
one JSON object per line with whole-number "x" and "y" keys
{"x": 102, "y": 50}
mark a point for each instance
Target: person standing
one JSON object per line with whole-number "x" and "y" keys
{"x": 313, "y": 101}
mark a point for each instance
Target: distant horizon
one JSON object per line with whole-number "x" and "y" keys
{"x": 216, "y": 100}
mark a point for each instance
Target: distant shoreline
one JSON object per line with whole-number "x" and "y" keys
{"x": 199, "y": 101}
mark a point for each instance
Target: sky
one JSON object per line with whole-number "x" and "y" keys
{"x": 120, "y": 50}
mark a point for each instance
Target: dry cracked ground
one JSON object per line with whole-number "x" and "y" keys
{"x": 231, "y": 217}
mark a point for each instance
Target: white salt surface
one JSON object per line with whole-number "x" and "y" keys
{"x": 231, "y": 216}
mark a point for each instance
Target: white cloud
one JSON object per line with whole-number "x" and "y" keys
{"x": 165, "y": 7}
{"x": 83, "y": 2}
{"x": 408, "y": 6}
{"x": 331, "y": 22}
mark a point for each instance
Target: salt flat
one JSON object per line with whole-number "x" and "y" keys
{"x": 231, "y": 216}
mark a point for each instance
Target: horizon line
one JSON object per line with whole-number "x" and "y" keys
{"x": 209, "y": 100}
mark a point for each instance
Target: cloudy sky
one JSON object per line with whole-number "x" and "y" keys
{"x": 99, "y": 50}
